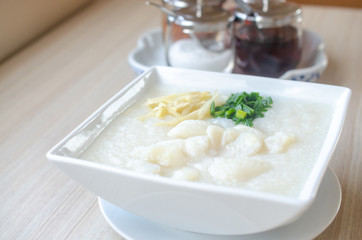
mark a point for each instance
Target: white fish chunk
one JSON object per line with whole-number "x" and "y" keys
{"x": 247, "y": 144}
{"x": 197, "y": 147}
{"x": 215, "y": 134}
{"x": 188, "y": 128}
{"x": 169, "y": 153}
{"x": 279, "y": 142}
{"x": 231, "y": 170}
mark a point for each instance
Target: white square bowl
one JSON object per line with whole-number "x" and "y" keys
{"x": 192, "y": 206}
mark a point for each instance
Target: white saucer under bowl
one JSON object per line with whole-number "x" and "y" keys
{"x": 150, "y": 52}
{"x": 315, "y": 220}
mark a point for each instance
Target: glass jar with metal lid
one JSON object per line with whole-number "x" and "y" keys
{"x": 268, "y": 38}
{"x": 200, "y": 36}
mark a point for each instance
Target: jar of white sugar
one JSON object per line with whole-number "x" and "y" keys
{"x": 200, "y": 36}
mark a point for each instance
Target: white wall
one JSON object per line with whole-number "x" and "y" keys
{"x": 23, "y": 20}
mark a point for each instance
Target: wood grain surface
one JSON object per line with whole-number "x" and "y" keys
{"x": 48, "y": 88}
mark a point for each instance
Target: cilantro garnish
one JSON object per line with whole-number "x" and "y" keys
{"x": 242, "y": 107}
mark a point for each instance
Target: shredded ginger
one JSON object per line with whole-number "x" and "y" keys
{"x": 182, "y": 106}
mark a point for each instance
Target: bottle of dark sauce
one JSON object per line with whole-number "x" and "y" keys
{"x": 268, "y": 41}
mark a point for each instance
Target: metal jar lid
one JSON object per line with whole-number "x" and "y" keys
{"x": 172, "y": 4}
{"x": 203, "y": 17}
{"x": 188, "y": 3}
{"x": 272, "y": 13}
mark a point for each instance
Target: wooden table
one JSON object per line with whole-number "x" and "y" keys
{"x": 53, "y": 84}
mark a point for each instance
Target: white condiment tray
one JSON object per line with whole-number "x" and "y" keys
{"x": 150, "y": 52}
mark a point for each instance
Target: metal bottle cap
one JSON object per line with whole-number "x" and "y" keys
{"x": 275, "y": 13}
{"x": 202, "y": 17}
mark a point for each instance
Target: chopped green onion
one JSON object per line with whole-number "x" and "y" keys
{"x": 240, "y": 114}
{"x": 242, "y": 107}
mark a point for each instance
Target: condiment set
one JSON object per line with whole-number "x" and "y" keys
{"x": 254, "y": 37}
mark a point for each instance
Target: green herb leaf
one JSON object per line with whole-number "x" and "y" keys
{"x": 242, "y": 107}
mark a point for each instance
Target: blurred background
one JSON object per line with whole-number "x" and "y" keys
{"x": 340, "y": 3}
{"x": 22, "y": 21}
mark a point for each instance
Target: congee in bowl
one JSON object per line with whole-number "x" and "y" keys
{"x": 208, "y": 152}
{"x": 275, "y": 155}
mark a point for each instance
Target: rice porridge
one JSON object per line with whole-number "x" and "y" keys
{"x": 275, "y": 155}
